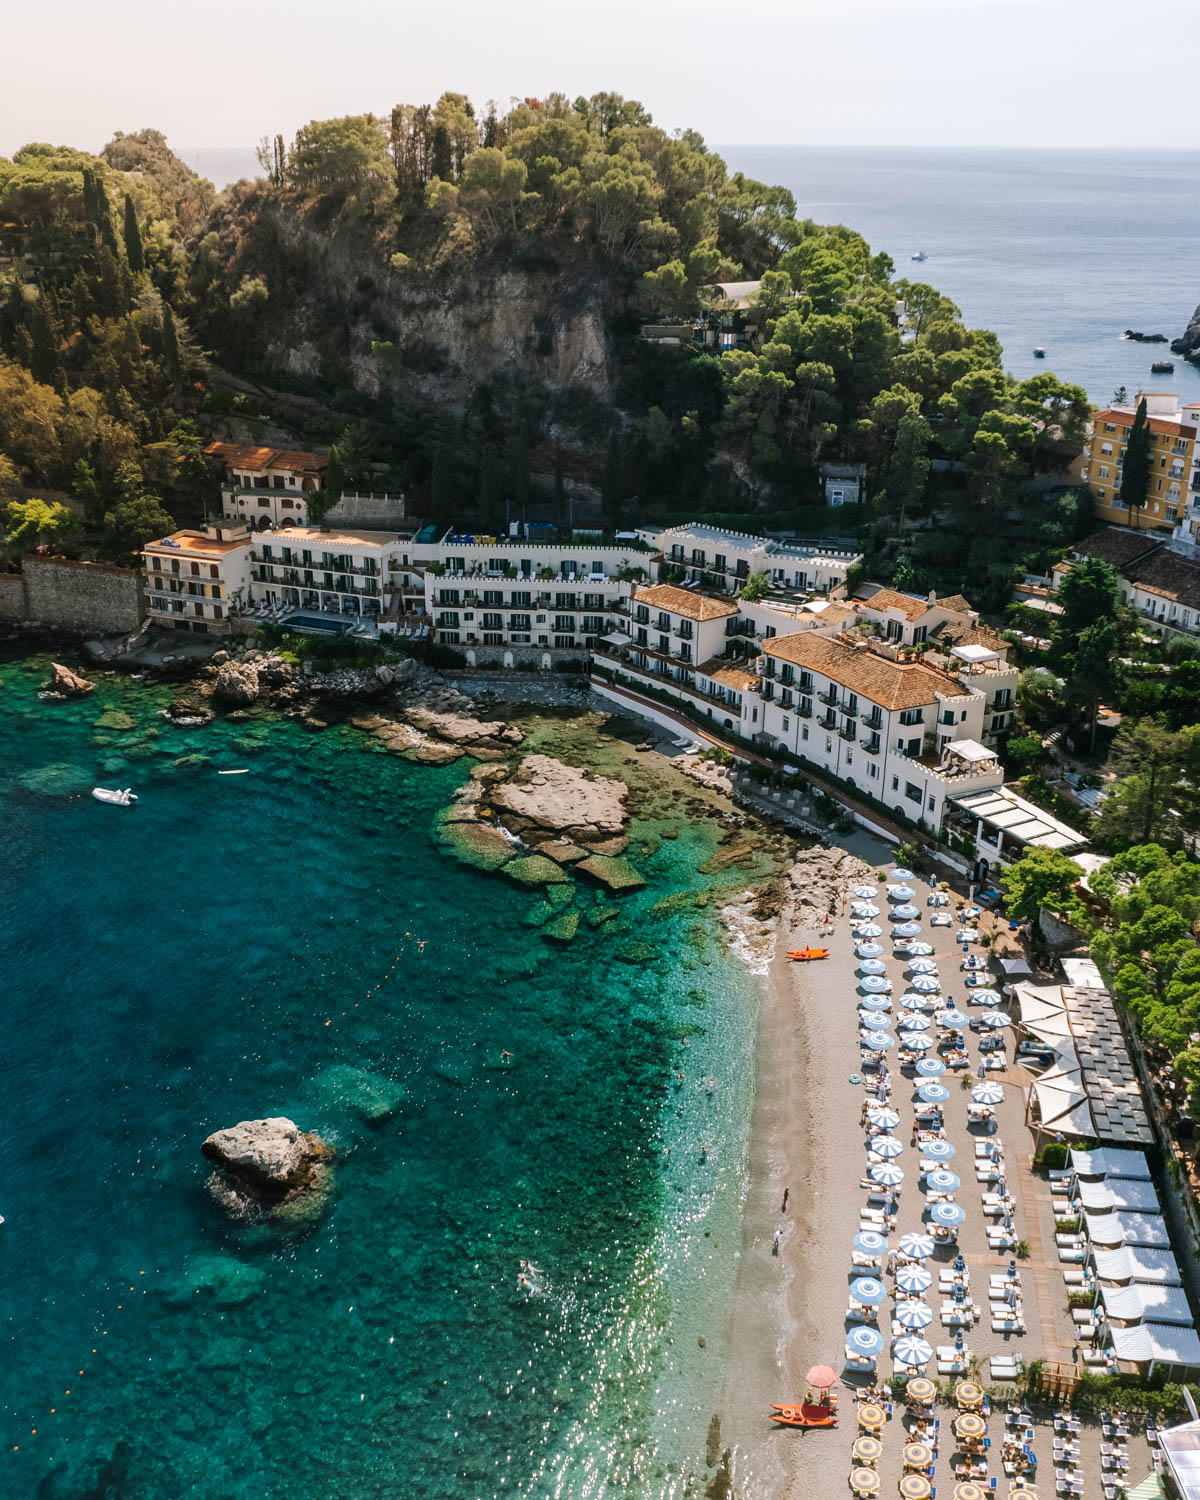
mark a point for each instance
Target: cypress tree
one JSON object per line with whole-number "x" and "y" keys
{"x": 1135, "y": 475}
{"x": 109, "y": 290}
{"x": 443, "y": 166}
{"x": 46, "y": 361}
{"x": 612, "y": 486}
{"x": 441, "y": 487}
{"x": 170, "y": 343}
{"x": 521, "y": 471}
{"x": 134, "y": 253}
{"x": 335, "y": 475}
{"x": 89, "y": 195}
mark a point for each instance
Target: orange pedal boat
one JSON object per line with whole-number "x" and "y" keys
{"x": 806, "y": 1414}
{"x": 802, "y": 955}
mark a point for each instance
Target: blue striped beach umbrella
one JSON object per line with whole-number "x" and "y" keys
{"x": 874, "y": 984}
{"x": 926, "y": 984}
{"x": 995, "y": 1020}
{"x": 917, "y": 1041}
{"x": 881, "y": 1114}
{"x": 986, "y": 996}
{"x": 923, "y": 966}
{"x": 913, "y": 1314}
{"x": 876, "y": 1002}
{"x": 911, "y": 1350}
{"x": 916, "y": 1246}
{"x": 911, "y": 1000}
{"x": 938, "y": 1150}
{"x": 987, "y": 1093}
{"x": 866, "y": 909}
{"x": 943, "y": 1180}
{"x": 886, "y": 1174}
{"x": 911, "y": 1021}
{"x": 874, "y": 1020}
{"x": 868, "y": 1290}
{"x": 902, "y": 874}
{"x": 886, "y": 1147}
{"x": 933, "y": 1093}
{"x": 870, "y": 1242}
{"x": 931, "y": 1067}
{"x": 947, "y": 1214}
{"x": 862, "y": 1342}
{"x": 873, "y": 966}
{"x": 914, "y": 1279}
{"x": 864, "y": 892}
{"x": 907, "y": 929}
{"x": 869, "y": 950}
{"x": 905, "y": 913}
{"x": 920, "y": 950}
{"x": 876, "y": 1041}
{"x": 954, "y": 1018}
{"x": 901, "y": 892}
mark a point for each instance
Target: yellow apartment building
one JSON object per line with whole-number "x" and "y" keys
{"x": 1172, "y": 449}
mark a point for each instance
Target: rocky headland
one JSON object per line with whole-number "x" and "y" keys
{"x": 270, "y": 1169}
{"x": 1189, "y": 344}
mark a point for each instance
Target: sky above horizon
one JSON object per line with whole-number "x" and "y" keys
{"x": 1060, "y": 73}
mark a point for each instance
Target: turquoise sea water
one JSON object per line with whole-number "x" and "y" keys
{"x": 240, "y": 946}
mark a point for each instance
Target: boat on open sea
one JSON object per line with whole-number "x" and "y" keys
{"x": 117, "y": 798}
{"x": 920, "y": 255}
{"x": 1039, "y": 352}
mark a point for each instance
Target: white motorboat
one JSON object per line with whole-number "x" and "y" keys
{"x": 920, "y": 255}
{"x": 118, "y": 799}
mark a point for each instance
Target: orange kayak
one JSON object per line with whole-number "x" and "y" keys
{"x": 802, "y": 954}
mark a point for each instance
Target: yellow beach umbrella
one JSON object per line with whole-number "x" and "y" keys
{"x": 866, "y": 1449}
{"x": 968, "y": 1393}
{"x": 915, "y": 1487}
{"x": 921, "y": 1390}
{"x": 871, "y": 1417}
{"x": 970, "y": 1424}
{"x": 969, "y": 1490}
{"x": 917, "y": 1455}
{"x": 864, "y": 1481}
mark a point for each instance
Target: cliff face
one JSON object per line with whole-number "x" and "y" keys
{"x": 443, "y": 335}
{"x": 1189, "y": 344}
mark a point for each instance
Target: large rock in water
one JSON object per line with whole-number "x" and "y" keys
{"x": 1189, "y": 344}
{"x": 269, "y": 1167}
{"x": 546, "y": 793}
{"x": 67, "y": 684}
{"x": 236, "y": 684}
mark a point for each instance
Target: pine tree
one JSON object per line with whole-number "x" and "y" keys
{"x": 134, "y": 253}
{"x": 170, "y": 344}
{"x": 1135, "y": 476}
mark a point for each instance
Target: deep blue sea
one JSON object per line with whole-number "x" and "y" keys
{"x": 1065, "y": 249}
{"x": 295, "y": 941}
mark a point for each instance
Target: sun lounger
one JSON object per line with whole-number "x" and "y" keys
{"x": 1074, "y": 1278}
{"x": 1068, "y": 1241}
{"x": 1071, "y": 1257}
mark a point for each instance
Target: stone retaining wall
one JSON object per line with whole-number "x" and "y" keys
{"x": 92, "y": 598}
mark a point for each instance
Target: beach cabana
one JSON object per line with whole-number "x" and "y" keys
{"x": 1136, "y": 1263}
{"x": 1115, "y": 1229}
{"x": 1110, "y": 1161}
{"x": 1151, "y": 1344}
{"x": 1147, "y": 1304}
{"x": 1131, "y": 1195}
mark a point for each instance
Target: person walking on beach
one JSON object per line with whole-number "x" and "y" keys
{"x": 776, "y": 1242}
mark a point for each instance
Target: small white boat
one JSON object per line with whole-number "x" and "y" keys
{"x": 241, "y": 771}
{"x": 118, "y": 799}
{"x": 920, "y": 255}
{"x": 1039, "y": 352}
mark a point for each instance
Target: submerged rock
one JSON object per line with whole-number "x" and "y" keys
{"x": 114, "y": 718}
{"x": 613, "y": 874}
{"x": 477, "y": 845}
{"x": 269, "y": 1168}
{"x": 564, "y": 928}
{"x": 59, "y": 779}
{"x": 532, "y": 869}
{"x": 230, "y": 1281}
{"x": 370, "y": 1096}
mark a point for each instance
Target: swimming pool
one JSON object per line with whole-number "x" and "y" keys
{"x": 317, "y": 624}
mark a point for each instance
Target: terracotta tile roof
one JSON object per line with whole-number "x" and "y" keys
{"x": 885, "y": 599}
{"x": 729, "y": 676}
{"x": 1117, "y": 545}
{"x": 1159, "y": 425}
{"x": 256, "y": 460}
{"x": 891, "y": 684}
{"x": 1169, "y": 576}
{"x": 683, "y": 602}
{"x": 957, "y": 603}
{"x": 196, "y": 543}
{"x": 950, "y": 633}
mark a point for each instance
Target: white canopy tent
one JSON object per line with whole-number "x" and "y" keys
{"x": 1157, "y": 1344}
{"x": 1110, "y": 1161}
{"x": 1142, "y": 1303}
{"x": 1119, "y": 1193}
{"x": 1137, "y": 1263}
